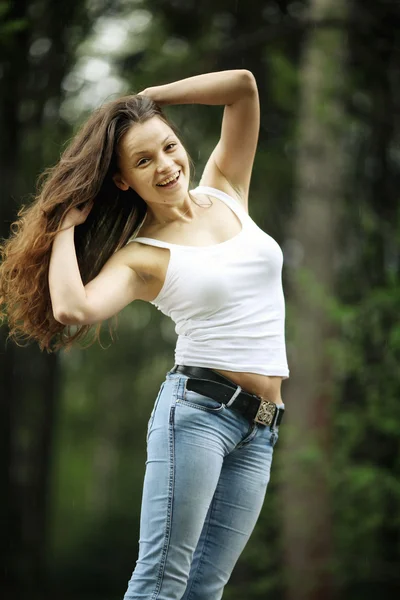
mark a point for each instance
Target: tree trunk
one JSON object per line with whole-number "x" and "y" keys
{"x": 28, "y": 377}
{"x": 305, "y": 488}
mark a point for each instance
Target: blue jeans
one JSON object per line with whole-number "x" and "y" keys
{"x": 207, "y": 472}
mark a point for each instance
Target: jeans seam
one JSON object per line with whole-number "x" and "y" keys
{"x": 249, "y": 438}
{"x": 168, "y": 526}
{"x": 153, "y": 412}
{"x": 196, "y": 575}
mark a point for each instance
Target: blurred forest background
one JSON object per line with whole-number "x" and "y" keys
{"x": 325, "y": 186}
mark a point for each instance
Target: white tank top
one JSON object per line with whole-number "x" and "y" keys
{"x": 226, "y": 300}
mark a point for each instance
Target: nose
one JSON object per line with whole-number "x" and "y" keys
{"x": 164, "y": 164}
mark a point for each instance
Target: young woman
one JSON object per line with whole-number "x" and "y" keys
{"x": 115, "y": 221}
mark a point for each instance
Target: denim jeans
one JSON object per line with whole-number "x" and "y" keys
{"x": 207, "y": 472}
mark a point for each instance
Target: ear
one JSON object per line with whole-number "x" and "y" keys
{"x": 119, "y": 182}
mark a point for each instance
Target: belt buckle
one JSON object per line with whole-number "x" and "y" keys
{"x": 266, "y": 413}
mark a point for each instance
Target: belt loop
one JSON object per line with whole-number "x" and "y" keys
{"x": 277, "y": 417}
{"x": 174, "y": 369}
{"x": 235, "y": 395}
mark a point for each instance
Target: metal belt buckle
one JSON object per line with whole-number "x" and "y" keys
{"x": 266, "y": 412}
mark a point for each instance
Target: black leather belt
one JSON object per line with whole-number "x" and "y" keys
{"x": 209, "y": 383}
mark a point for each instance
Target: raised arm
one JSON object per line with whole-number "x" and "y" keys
{"x": 115, "y": 286}
{"x": 232, "y": 160}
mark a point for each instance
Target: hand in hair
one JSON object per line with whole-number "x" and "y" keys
{"x": 77, "y": 216}
{"x": 155, "y": 93}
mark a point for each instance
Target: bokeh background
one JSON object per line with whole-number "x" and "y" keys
{"x": 325, "y": 186}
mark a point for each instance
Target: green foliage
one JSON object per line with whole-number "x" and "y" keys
{"x": 367, "y": 447}
{"x": 283, "y": 79}
{"x": 9, "y": 26}
{"x": 101, "y": 443}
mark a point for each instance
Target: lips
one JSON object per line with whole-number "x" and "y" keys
{"x": 169, "y": 181}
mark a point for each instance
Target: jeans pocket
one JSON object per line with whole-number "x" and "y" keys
{"x": 196, "y": 400}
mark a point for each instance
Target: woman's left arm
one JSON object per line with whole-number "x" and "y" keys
{"x": 233, "y": 157}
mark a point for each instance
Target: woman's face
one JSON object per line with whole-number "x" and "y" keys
{"x": 153, "y": 162}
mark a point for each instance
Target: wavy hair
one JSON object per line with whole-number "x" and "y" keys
{"x": 84, "y": 172}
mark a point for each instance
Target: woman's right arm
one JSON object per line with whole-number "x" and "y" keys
{"x": 115, "y": 286}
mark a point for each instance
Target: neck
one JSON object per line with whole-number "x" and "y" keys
{"x": 159, "y": 214}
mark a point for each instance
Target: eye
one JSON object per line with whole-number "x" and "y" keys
{"x": 170, "y": 146}
{"x": 142, "y": 162}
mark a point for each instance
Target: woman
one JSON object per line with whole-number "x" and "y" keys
{"x": 201, "y": 260}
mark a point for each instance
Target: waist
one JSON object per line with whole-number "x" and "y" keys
{"x": 267, "y": 387}
{"x": 259, "y": 369}
{"x": 214, "y": 385}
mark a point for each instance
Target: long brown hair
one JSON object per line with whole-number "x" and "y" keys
{"x": 83, "y": 173}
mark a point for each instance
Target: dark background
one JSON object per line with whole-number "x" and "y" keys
{"x": 325, "y": 186}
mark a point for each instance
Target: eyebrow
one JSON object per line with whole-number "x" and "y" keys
{"x": 147, "y": 151}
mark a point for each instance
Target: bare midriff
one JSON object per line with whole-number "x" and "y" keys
{"x": 267, "y": 387}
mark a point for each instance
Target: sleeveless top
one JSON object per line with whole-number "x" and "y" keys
{"x": 226, "y": 300}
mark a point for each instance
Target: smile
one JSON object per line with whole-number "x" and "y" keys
{"x": 170, "y": 181}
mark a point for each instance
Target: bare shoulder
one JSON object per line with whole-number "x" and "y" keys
{"x": 149, "y": 262}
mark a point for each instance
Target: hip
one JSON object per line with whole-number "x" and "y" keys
{"x": 204, "y": 418}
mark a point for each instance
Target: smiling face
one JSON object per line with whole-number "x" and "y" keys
{"x": 153, "y": 162}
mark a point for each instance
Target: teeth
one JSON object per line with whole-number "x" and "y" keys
{"x": 170, "y": 179}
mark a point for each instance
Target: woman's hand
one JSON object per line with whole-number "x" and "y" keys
{"x": 155, "y": 93}
{"x": 77, "y": 216}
